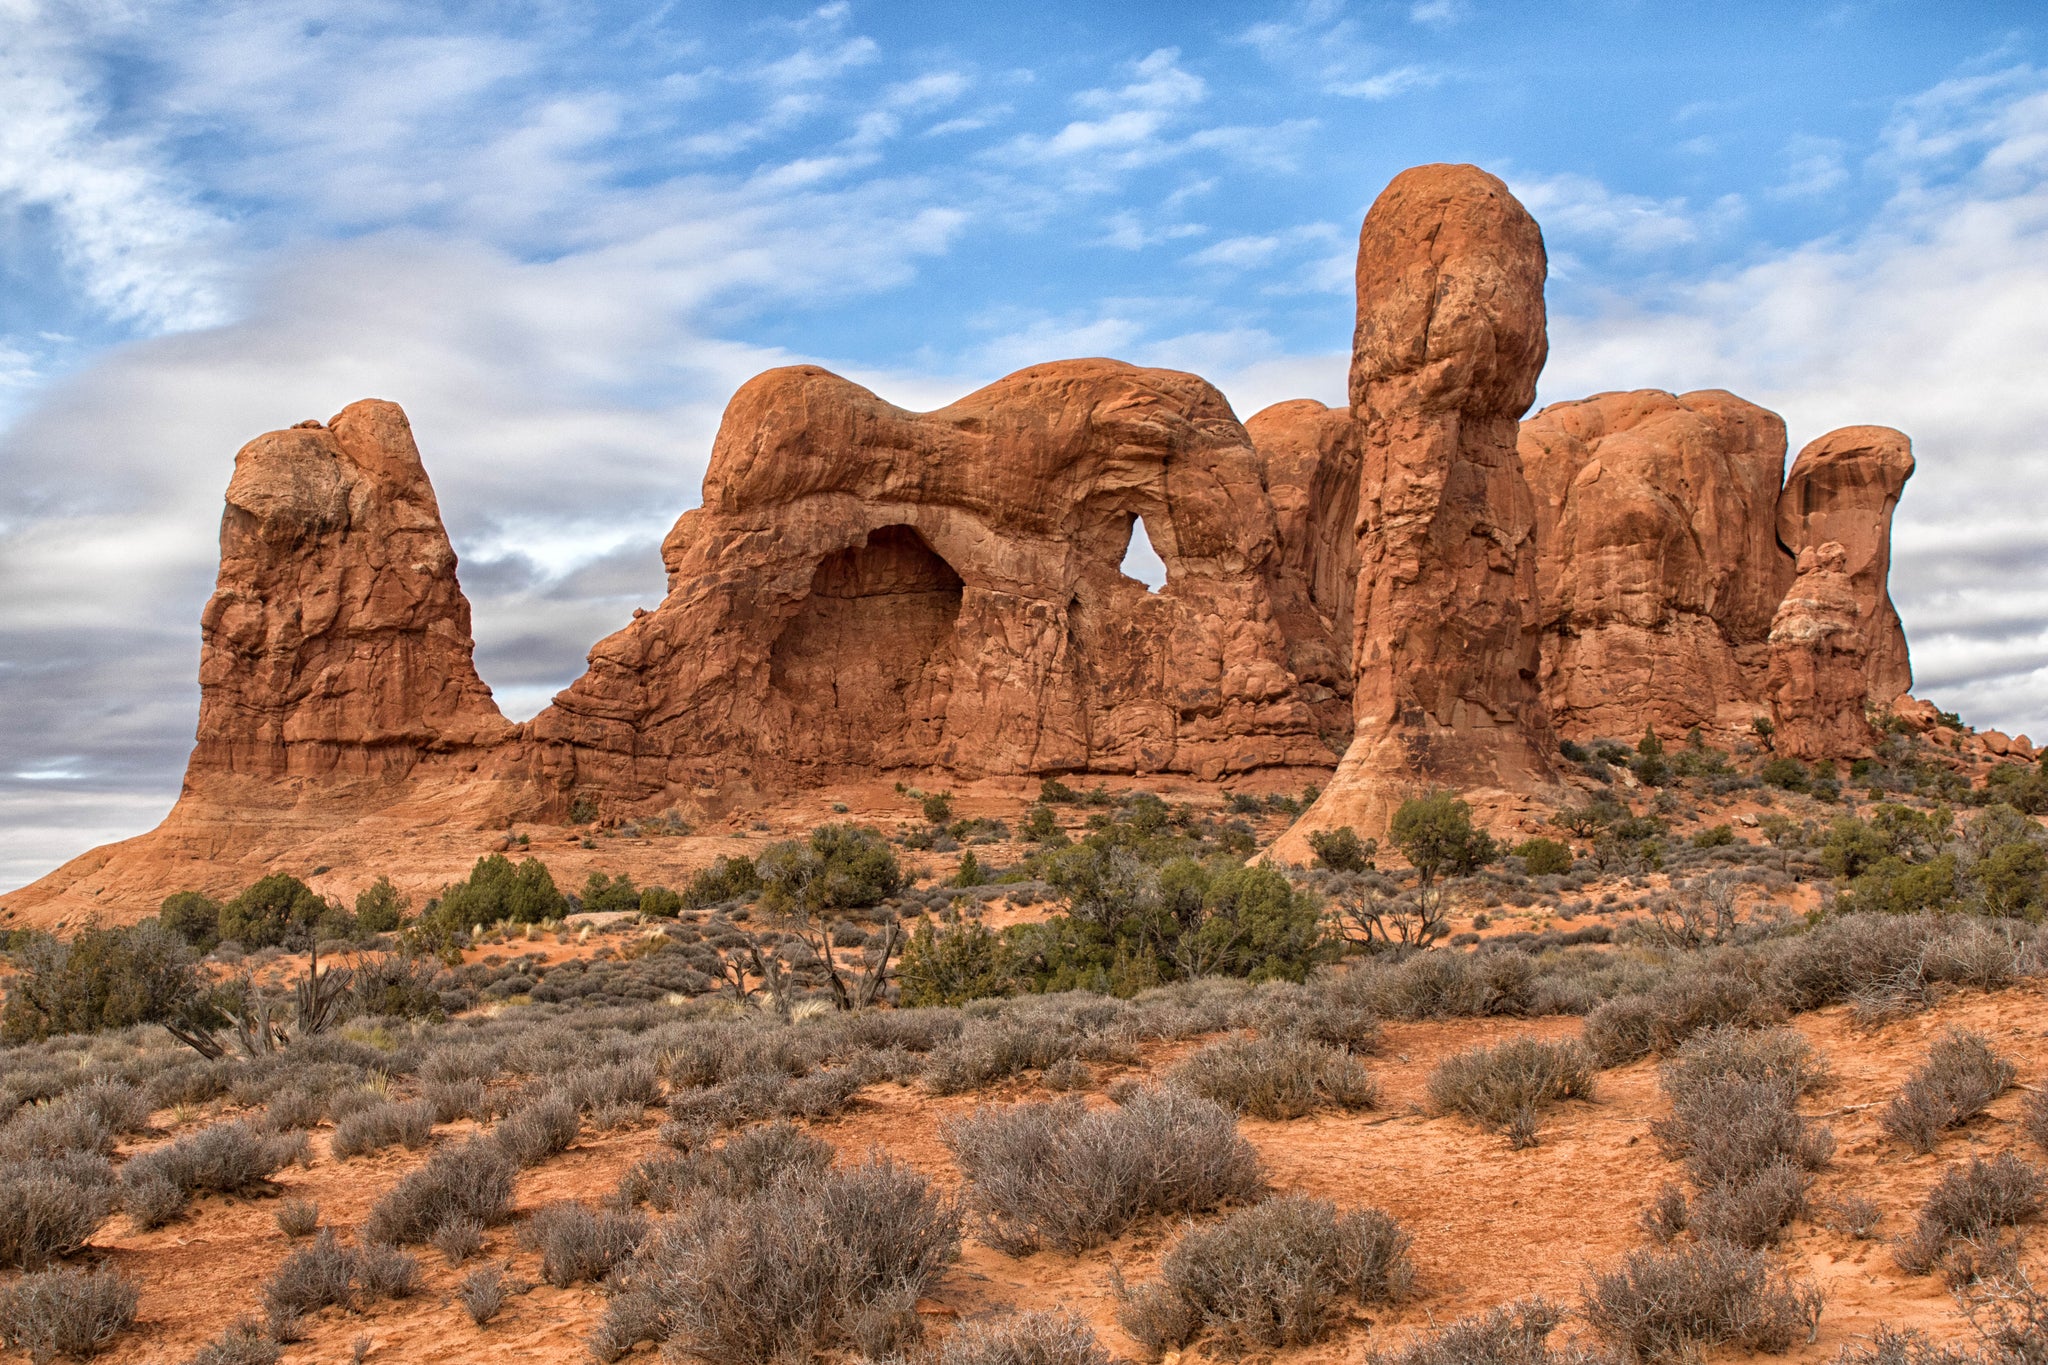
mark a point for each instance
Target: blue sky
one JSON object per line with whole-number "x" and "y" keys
{"x": 562, "y": 235}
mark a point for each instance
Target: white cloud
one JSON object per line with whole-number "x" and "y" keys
{"x": 137, "y": 240}
{"x": 1332, "y": 51}
{"x": 1578, "y": 206}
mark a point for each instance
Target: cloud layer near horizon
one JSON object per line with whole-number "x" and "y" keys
{"x": 562, "y": 248}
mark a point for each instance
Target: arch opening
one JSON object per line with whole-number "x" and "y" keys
{"x": 1142, "y": 560}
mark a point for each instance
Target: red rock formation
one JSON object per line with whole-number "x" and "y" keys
{"x": 869, "y": 588}
{"x": 1658, "y": 561}
{"x": 1449, "y": 342}
{"x": 1312, "y": 455}
{"x": 336, "y": 647}
{"x": 1819, "y": 658}
{"x": 1843, "y": 488}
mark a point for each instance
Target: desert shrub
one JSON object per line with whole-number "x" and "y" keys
{"x": 1058, "y": 1174}
{"x": 538, "y": 1130}
{"x": 1752, "y": 1211}
{"x": 496, "y": 890}
{"x": 386, "y": 1272}
{"x": 1272, "y": 1275}
{"x": 379, "y": 907}
{"x": 1666, "y": 1305}
{"x": 51, "y": 1207}
{"x": 293, "y": 1110}
{"x": 386, "y": 1124}
{"x": 457, "y": 1099}
{"x": 100, "y": 979}
{"x": 192, "y": 917}
{"x": 1281, "y": 1077}
{"x": 1959, "y": 1079}
{"x": 1969, "y": 1202}
{"x": 577, "y": 1242}
{"x": 458, "y": 1239}
{"x": 608, "y": 895}
{"x": 1778, "y": 1055}
{"x": 1504, "y": 1086}
{"x": 746, "y": 1164}
{"x": 1341, "y": 850}
{"x": 482, "y": 1294}
{"x": 1435, "y": 834}
{"x": 727, "y": 879}
{"x": 473, "y": 1182}
{"x": 298, "y": 1218}
{"x": 245, "y": 1342}
{"x": 1663, "y": 1017}
{"x": 312, "y": 1278}
{"x": 1730, "y": 1129}
{"x": 1852, "y": 1215}
{"x": 840, "y": 867}
{"x": 631, "y": 1083}
{"x": 226, "y": 1158}
{"x": 989, "y": 1050}
{"x": 66, "y": 1311}
{"x": 1514, "y": 1334}
{"x": 1311, "y": 1012}
{"x": 953, "y": 965}
{"x": 1544, "y": 857}
{"x": 270, "y": 911}
{"x": 1041, "y": 1338}
{"x": 805, "y": 1265}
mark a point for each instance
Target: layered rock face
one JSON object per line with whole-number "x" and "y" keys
{"x": 1843, "y": 489}
{"x": 1658, "y": 563}
{"x": 1449, "y": 343}
{"x": 336, "y": 648}
{"x": 868, "y": 588}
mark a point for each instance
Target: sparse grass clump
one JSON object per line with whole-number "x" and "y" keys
{"x": 245, "y": 1342}
{"x": 471, "y": 1182}
{"x": 1666, "y": 1305}
{"x": 1504, "y": 1086}
{"x": 1042, "y": 1338}
{"x": 1061, "y": 1175}
{"x": 1959, "y": 1079}
{"x": 65, "y": 1311}
{"x": 327, "y": 1273}
{"x": 1272, "y": 1275}
{"x": 1279, "y": 1077}
{"x": 1968, "y": 1203}
{"x": 807, "y": 1264}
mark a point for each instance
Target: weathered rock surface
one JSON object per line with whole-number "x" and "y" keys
{"x": 1843, "y": 489}
{"x": 1449, "y": 343}
{"x": 1819, "y": 658}
{"x": 1658, "y": 563}
{"x": 870, "y": 588}
{"x": 336, "y": 647}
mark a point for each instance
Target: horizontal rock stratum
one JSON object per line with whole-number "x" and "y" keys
{"x": 1420, "y": 590}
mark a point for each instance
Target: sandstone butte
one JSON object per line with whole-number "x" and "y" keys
{"x": 1422, "y": 590}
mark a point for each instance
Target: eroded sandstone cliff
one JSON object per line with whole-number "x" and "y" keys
{"x": 1416, "y": 581}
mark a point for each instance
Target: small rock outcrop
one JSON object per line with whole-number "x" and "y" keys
{"x": 1449, "y": 343}
{"x": 1819, "y": 661}
{"x": 1658, "y": 564}
{"x": 336, "y": 648}
{"x": 1843, "y": 489}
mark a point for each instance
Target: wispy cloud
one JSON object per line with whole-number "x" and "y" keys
{"x": 1332, "y": 50}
